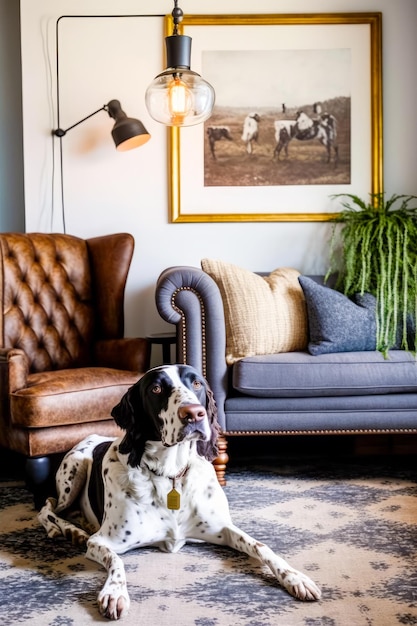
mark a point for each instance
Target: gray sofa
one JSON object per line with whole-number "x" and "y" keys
{"x": 289, "y": 393}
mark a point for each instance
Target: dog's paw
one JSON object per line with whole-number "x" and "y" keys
{"x": 301, "y": 586}
{"x": 77, "y": 536}
{"x": 113, "y": 605}
{"x": 47, "y": 518}
{"x": 50, "y": 504}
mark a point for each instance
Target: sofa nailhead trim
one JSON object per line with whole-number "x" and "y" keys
{"x": 356, "y": 431}
{"x": 183, "y": 327}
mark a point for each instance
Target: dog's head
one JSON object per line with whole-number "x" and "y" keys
{"x": 170, "y": 403}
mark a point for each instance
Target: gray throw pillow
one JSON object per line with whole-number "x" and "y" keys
{"x": 337, "y": 323}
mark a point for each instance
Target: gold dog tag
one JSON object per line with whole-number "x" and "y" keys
{"x": 173, "y": 500}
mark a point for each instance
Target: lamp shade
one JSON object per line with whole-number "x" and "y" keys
{"x": 127, "y": 132}
{"x": 178, "y": 96}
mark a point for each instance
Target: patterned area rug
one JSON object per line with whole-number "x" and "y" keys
{"x": 352, "y": 528}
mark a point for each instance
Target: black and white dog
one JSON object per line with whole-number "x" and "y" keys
{"x": 154, "y": 486}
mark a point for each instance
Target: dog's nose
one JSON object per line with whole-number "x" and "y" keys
{"x": 191, "y": 413}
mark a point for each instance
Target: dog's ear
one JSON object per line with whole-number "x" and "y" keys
{"x": 208, "y": 449}
{"x": 211, "y": 406}
{"x": 128, "y": 414}
{"x": 124, "y": 412}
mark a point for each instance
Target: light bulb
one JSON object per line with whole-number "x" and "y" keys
{"x": 180, "y": 101}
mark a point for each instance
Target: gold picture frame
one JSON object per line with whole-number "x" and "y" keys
{"x": 359, "y": 36}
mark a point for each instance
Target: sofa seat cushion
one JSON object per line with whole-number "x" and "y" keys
{"x": 69, "y": 396}
{"x": 299, "y": 374}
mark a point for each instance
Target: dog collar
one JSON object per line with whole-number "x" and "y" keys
{"x": 180, "y": 474}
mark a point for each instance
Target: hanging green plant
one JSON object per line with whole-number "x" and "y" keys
{"x": 378, "y": 255}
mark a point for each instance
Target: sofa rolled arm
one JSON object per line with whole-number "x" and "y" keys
{"x": 190, "y": 299}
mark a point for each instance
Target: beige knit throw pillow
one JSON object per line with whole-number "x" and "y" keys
{"x": 264, "y": 315}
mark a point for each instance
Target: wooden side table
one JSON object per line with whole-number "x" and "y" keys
{"x": 166, "y": 340}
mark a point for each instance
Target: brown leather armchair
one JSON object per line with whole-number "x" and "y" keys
{"x": 64, "y": 362}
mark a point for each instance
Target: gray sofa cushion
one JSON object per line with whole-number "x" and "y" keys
{"x": 337, "y": 323}
{"x": 299, "y": 374}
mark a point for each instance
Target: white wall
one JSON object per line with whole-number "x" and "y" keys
{"x": 107, "y": 192}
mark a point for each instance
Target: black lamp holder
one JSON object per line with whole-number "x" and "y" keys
{"x": 178, "y": 47}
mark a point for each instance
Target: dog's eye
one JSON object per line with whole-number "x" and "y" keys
{"x": 156, "y": 389}
{"x": 197, "y": 384}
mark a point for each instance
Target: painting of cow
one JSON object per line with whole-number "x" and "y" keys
{"x": 304, "y": 128}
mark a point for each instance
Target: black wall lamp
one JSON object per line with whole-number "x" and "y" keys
{"x": 178, "y": 96}
{"x": 127, "y": 132}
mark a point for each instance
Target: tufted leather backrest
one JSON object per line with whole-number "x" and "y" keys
{"x": 46, "y": 306}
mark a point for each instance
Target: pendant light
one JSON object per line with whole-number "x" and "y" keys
{"x": 178, "y": 96}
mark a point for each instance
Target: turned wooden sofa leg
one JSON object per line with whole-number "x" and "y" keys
{"x": 221, "y": 460}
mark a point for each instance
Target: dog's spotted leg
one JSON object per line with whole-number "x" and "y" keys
{"x": 296, "y": 583}
{"x": 55, "y": 525}
{"x": 113, "y": 599}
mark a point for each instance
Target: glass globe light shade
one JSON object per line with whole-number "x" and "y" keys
{"x": 179, "y": 97}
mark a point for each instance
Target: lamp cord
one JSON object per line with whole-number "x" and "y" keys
{"x": 61, "y": 161}
{"x": 61, "y": 167}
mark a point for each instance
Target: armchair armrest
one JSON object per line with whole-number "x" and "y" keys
{"x": 14, "y": 366}
{"x": 190, "y": 299}
{"x": 128, "y": 353}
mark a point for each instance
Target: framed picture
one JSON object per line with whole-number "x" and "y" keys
{"x": 297, "y": 118}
